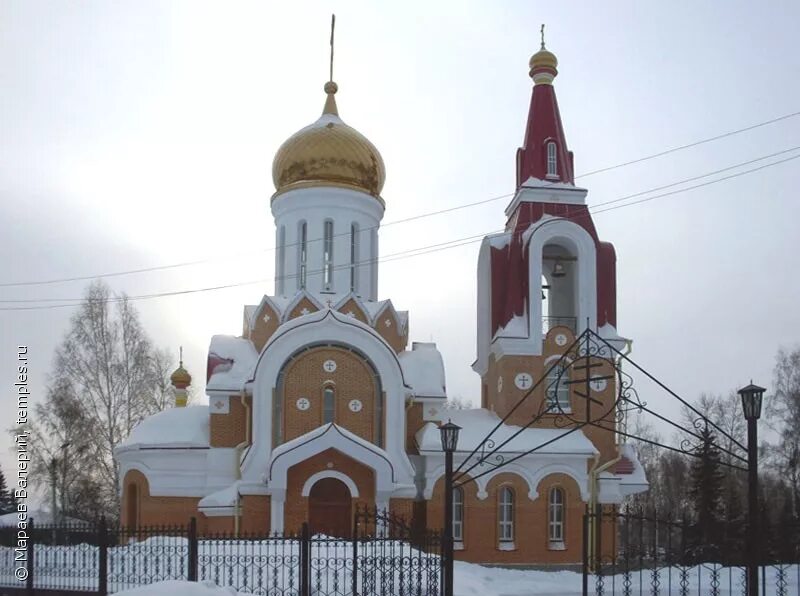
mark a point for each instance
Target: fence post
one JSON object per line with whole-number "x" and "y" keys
{"x": 355, "y": 554}
{"x": 29, "y": 563}
{"x": 586, "y": 551}
{"x": 102, "y": 561}
{"x": 598, "y": 539}
{"x": 305, "y": 568}
{"x": 192, "y": 567}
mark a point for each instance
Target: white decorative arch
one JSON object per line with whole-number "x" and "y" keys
{"x": 314, "y": 478}
{"x": 482, "y": 483}
{"x": 580, "y": 477}
{"x": 329, "y": 326}
{"x": 134, "y": 467}
{"x": 577, "y": 240}
{"x": 321, "y": 439}
{"x": 514, "y": 469}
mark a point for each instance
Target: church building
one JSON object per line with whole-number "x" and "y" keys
{"x": 323, "y": 403}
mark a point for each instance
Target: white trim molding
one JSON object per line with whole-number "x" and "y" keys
{"x": 329, "y": 326}
{"x": 314, "y": 478}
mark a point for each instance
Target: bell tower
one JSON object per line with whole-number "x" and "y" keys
{"x": 547, "y": 277}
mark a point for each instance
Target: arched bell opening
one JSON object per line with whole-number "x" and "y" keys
{"x": 559, "y": 287}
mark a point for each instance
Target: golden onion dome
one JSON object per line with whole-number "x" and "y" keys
{"x": 328, "y": 153}
{"x": 543, "y": 66}
{"x": 181, "y": 377}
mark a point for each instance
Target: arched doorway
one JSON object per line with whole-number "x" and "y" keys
{"x": 132, "y": 505}
{"x": 330, "y": 508}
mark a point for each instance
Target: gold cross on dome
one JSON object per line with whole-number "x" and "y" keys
{"x": 541, "y": 31}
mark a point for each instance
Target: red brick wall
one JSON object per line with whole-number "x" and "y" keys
{"x": 352, "y": 379}
{"x": 481, "y": 543}
{"x": 296, "y": 508}
{"x": 228, "y": 430}
{"x": 263, "y": 330}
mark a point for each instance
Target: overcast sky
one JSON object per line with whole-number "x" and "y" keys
{"x": 138, "y": 133}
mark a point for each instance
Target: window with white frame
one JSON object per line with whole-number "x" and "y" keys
{"x": 555, "y": 517}
{"x": 552, "y": 160}
{"x": 327, "y": 256}
{"x": 506, "y": 515}
{"x": 328, "y": 404}
{"x": 303, "y": 260}
{"x": 557, "y": 388}
{"x": 458, "y": 514}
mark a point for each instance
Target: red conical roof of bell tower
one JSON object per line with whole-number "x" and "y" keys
{"x": 544, "y": 128}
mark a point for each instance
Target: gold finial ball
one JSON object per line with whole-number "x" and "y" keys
{"x": 331, "y": 87}
{"x": 181, "y": 378}
{"x": 543, "y": 66}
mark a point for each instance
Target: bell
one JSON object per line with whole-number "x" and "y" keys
{"x": 558, "y": 269}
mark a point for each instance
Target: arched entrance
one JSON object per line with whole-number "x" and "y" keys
{"x": 330, "y": 508}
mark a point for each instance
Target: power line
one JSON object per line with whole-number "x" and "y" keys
{"x": 666, "y": 194}
{"x": 412, "y": 252}
{"x": 700, "y": 177}
{"x": 695, "y": 144}
{"x": 408, "y": 253}
{"x": 407, "y": 219}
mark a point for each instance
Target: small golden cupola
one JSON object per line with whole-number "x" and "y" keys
{"x": 180, "y": 379}
{"x": 329, "y": 153}
{"x": 543, "y": 65}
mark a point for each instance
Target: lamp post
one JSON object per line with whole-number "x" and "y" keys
{"x": 449, "y": 436}
{"x": 752, "y": 396}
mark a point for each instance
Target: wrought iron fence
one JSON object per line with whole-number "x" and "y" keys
{"x": 635, "y": 552}
{"x": 382, "y": 556}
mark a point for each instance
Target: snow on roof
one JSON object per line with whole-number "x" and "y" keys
{"x": 533, "y": 182}
{"x": 476, "y": 425}
{"x": 249, "y": 311}
{"x": 242, "y": 357}
{"x": 499, "y": 240}
{"x": 373, "y": 307}
{"x": 423, "y": 370}
{"x": 222, "y": 498}
{"x": 609, "y": 333}
{"x": 175, "y": 427}
{"x": 633, "y": 473}
{"x": 516, "y": 327}
{"x": 317, "y": 432}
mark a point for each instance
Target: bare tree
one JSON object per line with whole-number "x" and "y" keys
{"x": 783, "y": 412}
{"x": 457, "y": 403}
{"x": 107, "y": 377}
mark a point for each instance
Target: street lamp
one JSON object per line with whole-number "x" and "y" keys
{"x": 449, "y": 436}
{"x": 752, "y": 396}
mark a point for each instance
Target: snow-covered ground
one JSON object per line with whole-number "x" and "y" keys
{"x": 474, "y": 579}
